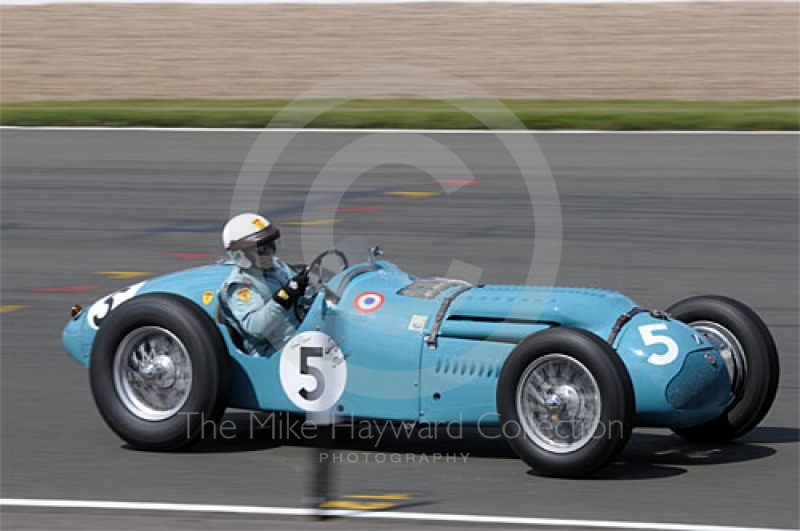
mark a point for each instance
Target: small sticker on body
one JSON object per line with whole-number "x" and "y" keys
{"x": 417, "y": 323}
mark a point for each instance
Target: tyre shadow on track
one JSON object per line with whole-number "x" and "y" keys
{"x": 648, "y": 455}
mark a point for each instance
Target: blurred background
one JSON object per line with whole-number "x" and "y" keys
{"x": 685, "y": 51}
{"x": 658, "y": 216}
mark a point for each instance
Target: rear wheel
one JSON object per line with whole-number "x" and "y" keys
{"x": 158, "y": 370}
{"x": 566, "y": 402}
{"x": 750, "y": 355}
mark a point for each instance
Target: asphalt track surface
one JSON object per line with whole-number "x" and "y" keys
{"x": 659, "y": 217}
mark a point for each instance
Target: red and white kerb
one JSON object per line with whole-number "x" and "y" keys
{"x": 368, "y": 302}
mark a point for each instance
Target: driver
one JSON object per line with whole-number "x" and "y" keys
{"x": 258, "y": 297}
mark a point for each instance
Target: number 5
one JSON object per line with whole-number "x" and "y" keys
{"x": 305, "y": 368}
{"x": 649, "y": 338}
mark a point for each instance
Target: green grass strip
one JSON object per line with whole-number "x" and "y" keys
{"x": 776, "y": 115}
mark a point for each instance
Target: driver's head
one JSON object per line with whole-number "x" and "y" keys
{"x": 251, "y": 241}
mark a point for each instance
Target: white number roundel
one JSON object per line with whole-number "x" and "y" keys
{"x": 100, "y": 309}
{"x": 313, "y": 371}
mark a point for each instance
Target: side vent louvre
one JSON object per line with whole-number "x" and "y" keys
{"x": 466, "y": 367}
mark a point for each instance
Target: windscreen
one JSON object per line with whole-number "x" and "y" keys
{"x": 351, "y": 257}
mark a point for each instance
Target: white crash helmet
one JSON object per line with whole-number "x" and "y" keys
{"x": 251, "y": 240}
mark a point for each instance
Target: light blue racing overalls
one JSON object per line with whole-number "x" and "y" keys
{"x": 246, "y": 305}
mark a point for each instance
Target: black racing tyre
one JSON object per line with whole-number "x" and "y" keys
{"x": 750, "y": 356}
{"x": 158, "y": 370}
{"x": 566, "y": 402}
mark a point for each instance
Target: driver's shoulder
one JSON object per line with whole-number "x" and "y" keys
{"x": 236, "y": 276}
{"x": 235, "y": 281}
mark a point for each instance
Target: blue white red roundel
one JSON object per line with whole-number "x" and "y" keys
{"x": 368, "y": 302}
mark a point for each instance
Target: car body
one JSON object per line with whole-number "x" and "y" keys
{"x": 379, "y": 343}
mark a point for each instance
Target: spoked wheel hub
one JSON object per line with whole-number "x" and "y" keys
{"x": 559, "y": 402}
{"x": 563, "y": 402}
{"x": 152, "y": 373}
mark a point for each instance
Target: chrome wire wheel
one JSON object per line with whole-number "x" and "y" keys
{"x": 728, "y": 346}
{"x": 152, "y": 373}
{"x": 559, "y": 403}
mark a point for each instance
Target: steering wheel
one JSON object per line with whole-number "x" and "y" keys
{"x": 301, "y": 308}
{"x": 317, "y": 262}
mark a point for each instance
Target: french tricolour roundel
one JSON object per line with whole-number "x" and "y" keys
{"x": 368, "y": 302}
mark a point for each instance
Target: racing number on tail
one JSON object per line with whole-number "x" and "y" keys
{"x": 305, "y": 353}
{"x": 100, "y": 309}
{"x": 103, "y": 311}
{"x": 313, "y": 371}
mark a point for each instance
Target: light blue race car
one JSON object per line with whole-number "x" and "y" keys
{"x": 564, "y": 373}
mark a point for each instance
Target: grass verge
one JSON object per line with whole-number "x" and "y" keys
{"x": 780, "y": 115}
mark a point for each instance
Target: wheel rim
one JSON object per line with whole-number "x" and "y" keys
{"x": 152, "y": 373}
{"x": 559, "y": 403}
{"x": 725, "y": 342}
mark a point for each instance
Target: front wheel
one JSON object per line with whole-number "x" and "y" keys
{"x": 159, "y": 371}
{"x": 750, "y": 355}
{"x": 566, "y": 402}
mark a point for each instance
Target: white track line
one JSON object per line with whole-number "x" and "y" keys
{"x": 393, "y": 131}
{"x": 417, "y": 517}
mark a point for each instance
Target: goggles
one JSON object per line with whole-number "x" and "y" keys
{"x": 267, "y": 248}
